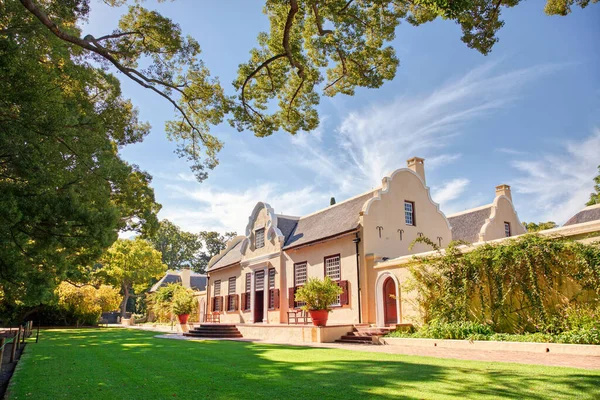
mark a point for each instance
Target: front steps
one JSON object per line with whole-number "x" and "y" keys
{"x": 363, "y": 334}
{"x": 220, "y": 331}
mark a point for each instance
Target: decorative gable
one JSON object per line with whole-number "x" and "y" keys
{"x": 262, "y": 217}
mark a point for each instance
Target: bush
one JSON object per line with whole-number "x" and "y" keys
{"x": 318, "y": 294}
{"x": 86, "y": 303}
{"x": 172, "y": 300}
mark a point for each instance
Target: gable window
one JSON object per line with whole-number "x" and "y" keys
{"x": 248, "y": 288}
{"x": 232, "y": 297}
{"x": 333, "y": 270}
{"x": 507, "y": 229}
{"x": 409, "y": 213}
{"x": 217, "y": 298}
{"x": 271, "y": 288}
{"x": 259, "y": 238}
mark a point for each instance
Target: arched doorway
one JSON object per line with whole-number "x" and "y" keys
{"x": 390, "y": 311}
{"x": 387, "y": 298}
{"x": 202, "y": 310}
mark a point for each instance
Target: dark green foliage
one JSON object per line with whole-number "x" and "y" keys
{"x": 595, "y": 195}
{"x": 521, "y": 285}
{"x": 65, "y": 192}
{"x": 540, "y": 226}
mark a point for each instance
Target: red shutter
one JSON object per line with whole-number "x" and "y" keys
{"x": 243, "y": 305}
{"x": 345, "y": 296}
{"x": 236, "y": 302}
{"x": 221, "y": 308}
{"x": 226, "y": 308}
{"x": 212, "y": 307}
{"x": 276, "y": 299}
{"x": 291, "y": 295}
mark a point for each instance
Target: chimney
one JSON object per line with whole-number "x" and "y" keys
{"x": 503, "y": 190}
{"x": 185, "y": 277}
{"x": 418, "y": 165}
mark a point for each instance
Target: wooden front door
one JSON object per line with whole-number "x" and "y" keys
{"x": 259, "y": 306}
{"x": 389, "y": 302}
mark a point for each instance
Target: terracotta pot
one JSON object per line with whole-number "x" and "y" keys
{"x": 183, "y": 318}
{"x": 319, "y": 317}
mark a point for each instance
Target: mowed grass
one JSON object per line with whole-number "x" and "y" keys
{"x": 130, "y": 364}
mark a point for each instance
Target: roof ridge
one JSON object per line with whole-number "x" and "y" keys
{"x": 592, "y": 207}
{"x": 470, "y": 210}
{"x": 337, "y": 204}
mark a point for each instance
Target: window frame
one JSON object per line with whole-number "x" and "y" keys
{"x": 262, "y": 231}
{"x": 413, "y": 213}
{"x": 507, "y": 233}
{"x": 231, "y": 302}
{"x": 217, "y": 297}
{"x": 338, "y": 303}
{"x": 271, "y": 288}
{"x": 305, "y": 263}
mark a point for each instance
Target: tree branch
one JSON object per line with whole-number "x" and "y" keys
{"x": 96, "y": 48}
{"x": 249, "y": 77}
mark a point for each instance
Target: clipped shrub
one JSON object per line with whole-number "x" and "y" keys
{"x": 318, "y": 294}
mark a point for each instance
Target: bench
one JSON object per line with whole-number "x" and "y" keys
{"x": 298, "y": 317}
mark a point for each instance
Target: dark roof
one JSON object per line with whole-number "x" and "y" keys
{"x": 286, "y": 225}
{"x": 336, "y": 219}
{"x": 467, "y": 225}
{"x": 233, "y": 256}
{"x": 198, "y": 282}
{"x": 591, "y": 213}
{"x": 170, "y": 277}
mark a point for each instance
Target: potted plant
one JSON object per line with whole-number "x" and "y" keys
{"x": 317, "y": 296}
{"x": 183, "y": 303}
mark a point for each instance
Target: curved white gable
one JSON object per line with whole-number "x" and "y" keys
{"x": 385, "y": 187}
{"x": 271, "y": 228}
{"x": 493, "y": 215}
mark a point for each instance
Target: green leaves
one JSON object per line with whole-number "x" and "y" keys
{"x": 318, "y": 294}
{"x": 595, "y": 195}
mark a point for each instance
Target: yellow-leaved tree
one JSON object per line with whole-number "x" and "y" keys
{"x": 86, "y": 303}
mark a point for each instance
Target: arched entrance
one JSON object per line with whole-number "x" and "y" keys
{"x": 202, "y": 310}
{"x": 387, "y": 296}
{"x": 390, "y": 311}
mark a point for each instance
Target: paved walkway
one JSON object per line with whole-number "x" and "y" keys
{"x": 558, "y": 360}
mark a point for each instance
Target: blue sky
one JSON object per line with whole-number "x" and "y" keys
{"x": 527, "y": 115}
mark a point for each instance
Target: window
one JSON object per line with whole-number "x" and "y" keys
{"x": 333, "y": 270}
{"x": 217, "y": 297}
{"x": 248, "y": 289}
{"x": 299, "y": 274}
{"x": 259, "y": 283}
{"x": 507, "y": 229}
{"x": 271, "y": 288}
{"x": 259, "y": 238}
{"x": 332, "y": 267}
{"x": 231, "y": 297}
{"x": 409, "y": 213}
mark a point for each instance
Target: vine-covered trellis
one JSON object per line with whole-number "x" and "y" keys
{"x": 525, "y": 284}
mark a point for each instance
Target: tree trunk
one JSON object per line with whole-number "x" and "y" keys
{"x": 125, "y": 300}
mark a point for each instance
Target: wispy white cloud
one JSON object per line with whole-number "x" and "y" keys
{"x": 449, "y": 191}
{"x": 558, "y": 185}
{"x": 512, "y": 152}
{"x": 224, "y": 210}
{"x": 372, "y": 142}
{"x": 357, "y": 152}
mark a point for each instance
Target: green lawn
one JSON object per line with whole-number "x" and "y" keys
{"x": 130, "y": 364}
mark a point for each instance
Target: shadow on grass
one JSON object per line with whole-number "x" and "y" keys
{"x": 133, "y": 364}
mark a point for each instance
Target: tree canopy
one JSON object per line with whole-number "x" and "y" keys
{"x": 595, "y": 195}
{"x": 540, "y": 226}
{"x": 66, "y": 192}
{"x": 131, "y": 265}
{"x": 313, "y": 48}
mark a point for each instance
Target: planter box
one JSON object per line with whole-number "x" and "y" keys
{"x": 530, "y": 347}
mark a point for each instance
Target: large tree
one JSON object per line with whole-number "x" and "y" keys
{"x": 65, "y": 192}
{"x": 540, "y": 226}
{"x": 595, "y": 195}
{"x": 179, "y": 248}
{"x": 185, "y": 249}
{"x": 313, "y": 48}
{"x": 131, "y": 265}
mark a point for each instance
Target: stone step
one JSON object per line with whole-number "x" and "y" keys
{"x": 357, "y": 338}
{"x": 213, "y": 335}
{"x": 347, "y": 341}
{"x": 214, "y": 332}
